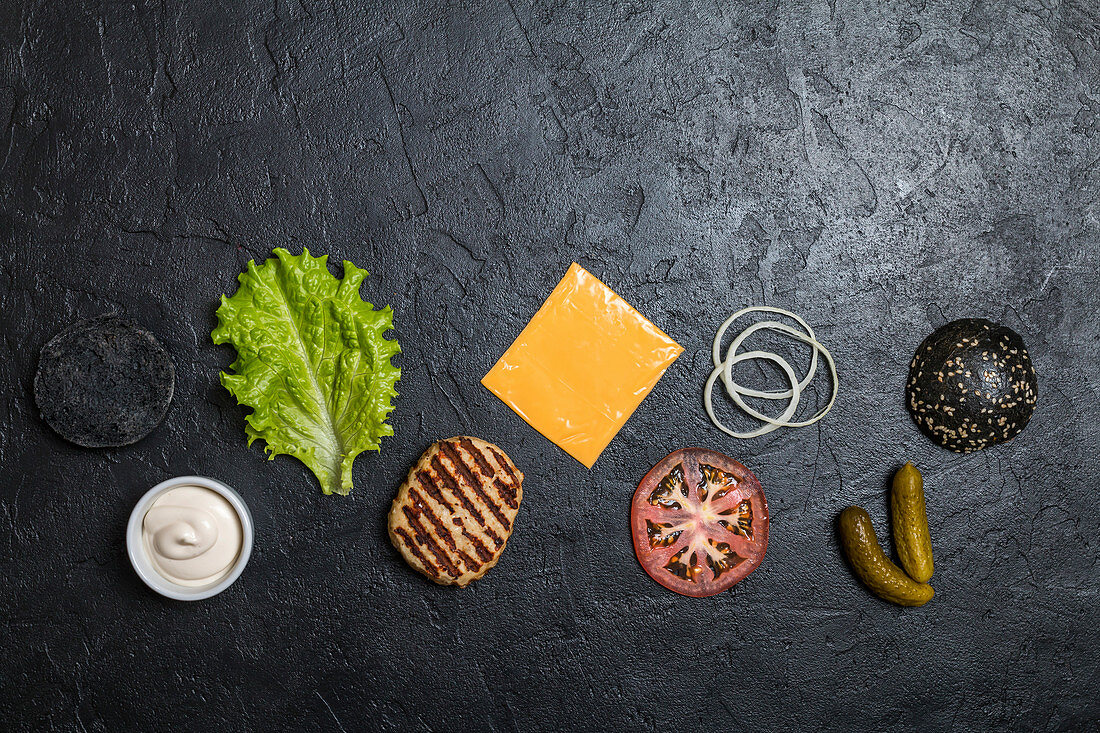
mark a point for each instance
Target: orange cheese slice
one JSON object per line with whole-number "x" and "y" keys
{"x": 582, "y": 365}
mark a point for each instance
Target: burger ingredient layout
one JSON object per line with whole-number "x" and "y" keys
{"x": 454, "y": 513}
{"x": 312, "y": 363}
{"x": 699, "y": 521}
{"x": 582, "y": 365}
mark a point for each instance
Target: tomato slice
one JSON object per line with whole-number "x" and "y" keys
{"x": 700, "y": 522}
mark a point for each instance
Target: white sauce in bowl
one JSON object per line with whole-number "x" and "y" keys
{"x": 192, "y": 536}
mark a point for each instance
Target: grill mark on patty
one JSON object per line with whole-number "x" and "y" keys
{"x": 454, "y": 487}
{"x": 463, "y": 469}
{"x": 421, "y": 507}
{"x": 478, "y": 456}
{"x": 472, "y": 565}
{"x": 482, "y": 551}
{"x": 421, "y": 531}
{"x": 441, "y": 529}
{"x": 467, "y": 527}
{"x": 428, "y": 567}
{"x": 504, "y": 463}
{"x": 424, "y": 510}
{"x": 506, "y": 490}
{"x": 507, "y": 493}
{"x": 428, "y": 484}
{"x": 451, "y": 485}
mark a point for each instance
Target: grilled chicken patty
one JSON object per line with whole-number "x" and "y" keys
{"x": 455, "y": 511}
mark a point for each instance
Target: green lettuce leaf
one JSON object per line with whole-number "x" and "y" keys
{"x": 312, "y": 363}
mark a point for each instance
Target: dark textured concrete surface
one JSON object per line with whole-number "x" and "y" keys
{"x": 880, "y": 168}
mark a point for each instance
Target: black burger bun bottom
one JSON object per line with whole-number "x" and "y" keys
{"x": 971, "y": 385}
{"x": 104, "y": 382}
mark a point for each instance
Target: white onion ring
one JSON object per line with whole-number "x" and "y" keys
{"x": 735, "y": 390}
{"x": 716, "y": 349}
{"x": 723, "y": 368}
{"x": 769, "y": 425}
{"x": 727, "y": 375}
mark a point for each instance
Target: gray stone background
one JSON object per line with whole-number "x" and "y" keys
{"x": 879, "y": 168}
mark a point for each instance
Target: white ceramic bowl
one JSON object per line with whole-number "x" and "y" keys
{"x": 144, "y": 567}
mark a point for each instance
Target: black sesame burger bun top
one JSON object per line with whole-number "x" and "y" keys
{"x": 971, "y": 385}
{"x": 104, "y": 382}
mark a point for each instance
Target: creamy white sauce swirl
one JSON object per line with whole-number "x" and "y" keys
{"x": 192, "y": 536}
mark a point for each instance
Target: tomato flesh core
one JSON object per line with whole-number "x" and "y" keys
{"x": 699, "y": 521}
